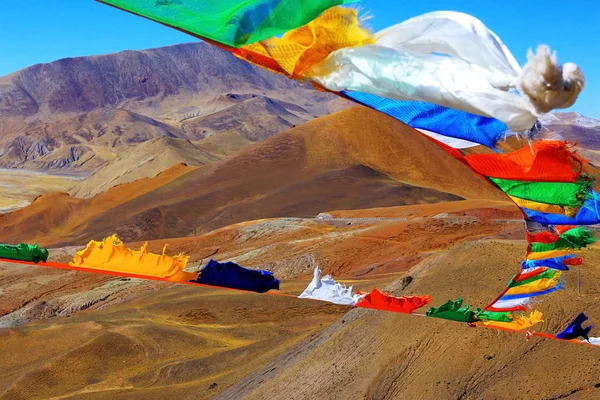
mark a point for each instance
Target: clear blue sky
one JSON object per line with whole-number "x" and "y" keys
{"x": 37, "y": 31}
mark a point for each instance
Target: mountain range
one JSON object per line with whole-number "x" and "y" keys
{"x": 78, "y": 113}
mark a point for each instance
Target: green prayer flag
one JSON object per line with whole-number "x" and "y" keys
{"x": 233, "y": 23}
{"x": 572, "y": 239}
{"x": 452, "y": 310}
{"x": 569, "y": 194}
{"x": 494, "y": 316}
{"x": 24, "y": 252}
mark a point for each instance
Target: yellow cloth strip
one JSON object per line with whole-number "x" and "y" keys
{"x": 536, "y": 286}
{"x": 545, "y": 208}
{"x": 111, "y": 255}
{"x": 299, "y": 49}
{"x": 550, "y": 254}
{"x": 519, "y": 322}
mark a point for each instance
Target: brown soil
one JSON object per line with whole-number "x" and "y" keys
{"x": 182, "y": 342}
{"x": 346, "y": 246}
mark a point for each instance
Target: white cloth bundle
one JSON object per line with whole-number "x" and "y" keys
{"x": 593, "y": 340}
{"x": 453, "y": 60}
{"x": 460, "y": 36}
{"x": 326, "y": 289}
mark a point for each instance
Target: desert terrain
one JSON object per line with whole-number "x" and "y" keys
{"x": 222, "y": 160}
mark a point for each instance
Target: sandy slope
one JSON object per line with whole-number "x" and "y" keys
{"x": 177, "y": 343}
{"x": 378, "y": 355}
{"x": 199, "y": 343}
{"x": 290, "y": 247}
{"x": 354, "y": 247}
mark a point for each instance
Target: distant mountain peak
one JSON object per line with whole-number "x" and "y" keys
{"x": 570, "y": 118}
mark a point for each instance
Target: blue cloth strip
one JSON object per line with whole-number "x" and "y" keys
{"x": 575, "y": 330}
{"x": 231, "y": 275}
{"x": 554, "y": 263}
{"x": 588, "y": 214}
{"x": 442, "y": 120}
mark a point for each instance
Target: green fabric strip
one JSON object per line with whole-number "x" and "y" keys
{"x": 572, "y": 239}
{"x": 452, "y": 310}
{"x": 24, "y": 252}
{"x": 495, "y": 316}
{"x": 548, "y": 274}
{"x": 558, "y": 193}
{"x": 234, "y": 23}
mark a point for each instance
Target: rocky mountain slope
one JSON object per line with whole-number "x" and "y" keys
{"x": 380, "y": 355}
{"x": 80, "y": 112}
{"x": 576, "y": 128}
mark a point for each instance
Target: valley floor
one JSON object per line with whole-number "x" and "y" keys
{"x": 18, "y": 187}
